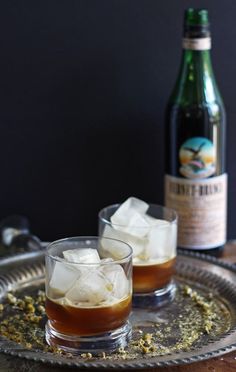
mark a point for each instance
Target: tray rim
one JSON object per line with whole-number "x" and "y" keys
{"x": 43, "y": 357}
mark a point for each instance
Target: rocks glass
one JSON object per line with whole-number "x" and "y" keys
{"x": 88, "y": 294}
{"x": 151, "y": 231}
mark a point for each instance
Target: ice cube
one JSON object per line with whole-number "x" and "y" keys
{"x": 82, "y": 255}
{"x": 64, "y": 301}
{"x": 172, "y": 240}
{"x": 130, "y": 204}
{"x": 137, "y": 226}
{"x": 116, "y": 249}
{"x": 156, "y": 221}
{"x": 63, "y": 277}
{"x": 116, "y": 275}
{"x": 129, "y": 217}
{"x": 158, "y": 241}
{"x": 92, "y": 288}
{"x": 106, "y": 260}
{"x": 152, "y": 221}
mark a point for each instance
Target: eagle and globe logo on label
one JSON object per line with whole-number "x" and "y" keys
{"x": 197, "y": 158}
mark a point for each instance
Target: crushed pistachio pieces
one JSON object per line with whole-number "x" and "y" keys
{"x": 197, "y": 316}
{"x": 86, "y": 355}
{"x": 207, "y": 306}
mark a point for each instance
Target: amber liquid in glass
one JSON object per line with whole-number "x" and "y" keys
{"x": 86, "y": 321}
{"x": 151, "y": 277}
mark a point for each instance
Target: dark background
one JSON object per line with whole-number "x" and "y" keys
{"x": 83, "y": 87}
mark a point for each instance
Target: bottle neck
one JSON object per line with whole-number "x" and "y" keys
{"x": 196, "y": 65}
{"x": 196, "y": 83}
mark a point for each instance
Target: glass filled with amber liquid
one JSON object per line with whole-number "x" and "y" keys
{"x": 151, "y": 231}
{"x": 88, "y": 294}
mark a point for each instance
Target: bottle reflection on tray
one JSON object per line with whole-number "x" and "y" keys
{"x": 16, "y": 237}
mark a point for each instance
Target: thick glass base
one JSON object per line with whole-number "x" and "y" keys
{"x": 108, "y": 341}
{"x": 155, "y": 299}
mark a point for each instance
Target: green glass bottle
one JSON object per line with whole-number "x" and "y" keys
{"x": 195, "y": 180}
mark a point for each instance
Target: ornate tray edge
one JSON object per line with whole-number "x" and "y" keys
{"x": 116, "y": 365}
{"x": 120, "y": 364}
{"x": 208, "y": 258}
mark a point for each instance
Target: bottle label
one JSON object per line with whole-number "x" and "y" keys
{"x": 202, "y": 208}
{"x": 197, "y": 157}
{"x": 197, "y": 44}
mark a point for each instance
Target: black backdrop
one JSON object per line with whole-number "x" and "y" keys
{"x": 83, "y": 86}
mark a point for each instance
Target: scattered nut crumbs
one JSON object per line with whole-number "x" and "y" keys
{"x": 22, "y": 320}
{"x": 208, "y": 310}
{"x": 145, "y": 344}
{"x": 86, "y": 355}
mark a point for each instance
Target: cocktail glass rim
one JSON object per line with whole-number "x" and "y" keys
{"x": 84, "y": 238}
{"x": 152, "y": 205}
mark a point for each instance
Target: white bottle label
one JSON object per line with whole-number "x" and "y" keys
{"x": 201, "y": 205}
{"x": 197, "y": 44}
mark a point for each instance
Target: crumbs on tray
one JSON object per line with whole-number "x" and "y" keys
{"x": 22, "y": 320}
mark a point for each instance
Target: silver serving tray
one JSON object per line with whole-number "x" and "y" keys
{"x": 25, "y": 271}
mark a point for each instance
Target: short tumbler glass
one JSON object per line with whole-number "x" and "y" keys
{"x": 88, "y": 294}
{"x": 154, "y": 252}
